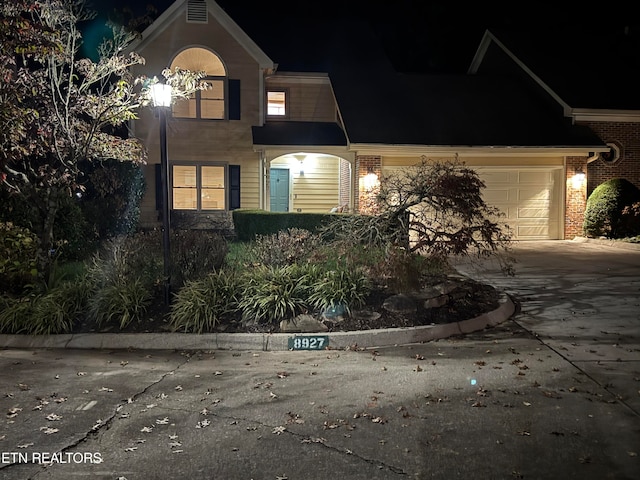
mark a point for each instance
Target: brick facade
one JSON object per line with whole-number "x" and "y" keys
{"x": 365, "y": 164}
{"x": 575, "y": 197}
{"x": 627, "y": 136}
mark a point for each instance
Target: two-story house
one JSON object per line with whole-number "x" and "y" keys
{"x": 312, "y": 128}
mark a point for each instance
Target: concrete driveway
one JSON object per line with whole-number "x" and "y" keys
{"x": 582, "y": 300}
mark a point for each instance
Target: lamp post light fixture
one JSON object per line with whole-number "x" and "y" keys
{"x": 161, "y": 98}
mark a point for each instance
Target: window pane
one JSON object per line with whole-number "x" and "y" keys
{"x": 212, "y": 109}
{"x": 185, "y": 199}
{"x": 212, "y": 199}
{"x": 185, "y": 108}
{"x": 276, "y": 103}
{"x": 212, "y": 177}
{"x": 215, "y": 90}
{"x": 184, "y": 176}
{"x": 184, "y": 187}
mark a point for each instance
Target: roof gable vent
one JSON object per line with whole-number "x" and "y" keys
{"x": 197, "y": 11}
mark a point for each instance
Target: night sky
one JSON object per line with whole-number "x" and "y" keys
{"x": 442, "y": 35}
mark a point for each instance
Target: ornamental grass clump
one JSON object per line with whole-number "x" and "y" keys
{"x": 55, "y": 312}
{"x": 122, "y": 302}
{"x": 271, "y": 294}
{"x": 340, "y": 290}
{"x": 203, "y": 304}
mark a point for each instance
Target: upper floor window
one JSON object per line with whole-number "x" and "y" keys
{"x": 277, "y": 103}
{"x": 204, "y": 104}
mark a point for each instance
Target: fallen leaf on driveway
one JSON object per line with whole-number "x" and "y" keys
{"x": 13, "y": 412}
{"x": 203, "y": 423}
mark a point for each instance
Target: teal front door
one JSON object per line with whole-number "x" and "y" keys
{"x": 279, "y": 189}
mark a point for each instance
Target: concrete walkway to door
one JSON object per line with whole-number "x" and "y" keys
{"x": 582, "y": 300}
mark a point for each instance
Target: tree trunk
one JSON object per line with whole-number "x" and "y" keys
{"x": 49, "y": 210}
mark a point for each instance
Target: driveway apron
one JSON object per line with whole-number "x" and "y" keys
{"x": 582, "y": 300}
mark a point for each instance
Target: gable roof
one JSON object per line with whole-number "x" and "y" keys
{"x": 583, "y": 70}
{"x": 450, "y": 111}
{"x": 178, "y": 8}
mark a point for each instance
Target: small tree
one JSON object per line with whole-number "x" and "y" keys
{"x": 58, "y": 109}
{"x": 434, "y": 208}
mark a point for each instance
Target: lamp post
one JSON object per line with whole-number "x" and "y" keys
{"x": 161, "y": 98}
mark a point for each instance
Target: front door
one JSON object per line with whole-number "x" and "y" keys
{"x": 279, "y": 189}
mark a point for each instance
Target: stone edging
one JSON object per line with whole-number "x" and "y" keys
{"x": 259, "y": 341}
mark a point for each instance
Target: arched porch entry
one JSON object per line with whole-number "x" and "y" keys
{"x": 309, "y": 182}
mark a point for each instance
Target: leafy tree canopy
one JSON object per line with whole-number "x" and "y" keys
{"x": 58, "y": 109}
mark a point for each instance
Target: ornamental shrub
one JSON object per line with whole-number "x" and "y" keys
{"x": 202, "y": 304}
{"x": 285, "y": 247}
{"x": 18, "y": 257}
{"x": 609, "y": 211}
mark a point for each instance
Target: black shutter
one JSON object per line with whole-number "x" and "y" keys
{"x": 234, "y": 99}
{"x": 158, "y": 187}
{"x": 234, "y": 187}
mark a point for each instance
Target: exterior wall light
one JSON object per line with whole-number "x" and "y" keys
{"x": 370, "y": 180}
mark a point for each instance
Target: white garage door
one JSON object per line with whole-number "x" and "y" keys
{"x": 531, "y": 199}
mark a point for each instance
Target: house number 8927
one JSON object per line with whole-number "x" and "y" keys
{"x": 308, "y": 343}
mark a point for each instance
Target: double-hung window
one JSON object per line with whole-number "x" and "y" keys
{"x": 277, "y": 103}
{"x": 199, "y": 187}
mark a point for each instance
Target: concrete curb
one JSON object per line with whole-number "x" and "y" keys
{"x": 259, "y": 341}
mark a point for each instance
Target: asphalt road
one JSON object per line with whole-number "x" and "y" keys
{"x": 552, "y": 393}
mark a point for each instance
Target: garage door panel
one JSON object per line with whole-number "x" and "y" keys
{"x": 496, "y": 196}
{"x": 530, "y": 198}
{"x": 534, "y": 194}
{"x": 528, "y": 213}
{"x": 532, "y": 231}
{"x": 533, "y": 177}
{"x": 496, "y": 177}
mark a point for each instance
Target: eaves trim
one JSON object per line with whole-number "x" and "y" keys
{"x": 440, "y": 150}
{"x": 596, "y": 115}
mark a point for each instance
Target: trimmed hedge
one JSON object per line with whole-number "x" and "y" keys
{"x": 605, "y": 213}
{"x": 249, "y": 223}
